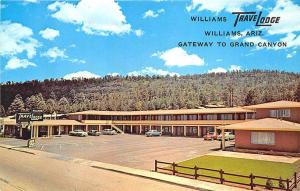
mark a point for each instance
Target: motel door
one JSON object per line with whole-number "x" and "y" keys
{"x": 26, "y": 133}
{"x": 178, "y": 130}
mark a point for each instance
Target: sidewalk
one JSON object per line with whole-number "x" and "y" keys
{"x": 185, "y": 182}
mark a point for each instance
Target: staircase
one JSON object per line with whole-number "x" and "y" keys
{"x": 117, "y": 129}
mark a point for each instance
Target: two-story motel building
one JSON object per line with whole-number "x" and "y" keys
{"x": 182, "y": 122}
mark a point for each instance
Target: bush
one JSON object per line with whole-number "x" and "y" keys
{"x": 269, "y": 184}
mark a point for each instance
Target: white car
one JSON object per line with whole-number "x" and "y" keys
{"x": 152, "y": 133}
{"x": 109, "y": 132}
{"x": 79, "y": 133}
{"x": 228, "y": 136}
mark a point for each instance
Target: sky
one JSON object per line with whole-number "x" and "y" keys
{"x": 91, "y": 38}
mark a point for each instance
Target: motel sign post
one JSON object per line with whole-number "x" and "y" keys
{"x": 24, "y": 120}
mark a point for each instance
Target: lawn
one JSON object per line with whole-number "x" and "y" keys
{"x": 241, "y": 167}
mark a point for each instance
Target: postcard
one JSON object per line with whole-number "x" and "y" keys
{"x": 142, "y": 95}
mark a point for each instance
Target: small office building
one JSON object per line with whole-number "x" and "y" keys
{"x": 276, "y": 128}
{"x": 267, "y": 134}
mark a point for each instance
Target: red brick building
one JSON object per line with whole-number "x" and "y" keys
{"x": 277, "y": 128}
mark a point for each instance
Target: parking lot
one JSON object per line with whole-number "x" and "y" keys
{"x": 135, "y": 151}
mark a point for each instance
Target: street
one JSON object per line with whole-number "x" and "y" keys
{"x": 23, "y": 171}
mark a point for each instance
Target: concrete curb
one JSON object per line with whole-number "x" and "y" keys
{"x": 6, "y": 146}
{"x": 20, "y": 149}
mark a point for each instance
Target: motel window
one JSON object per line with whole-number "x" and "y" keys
{"x": 280, "y": 113}
{"x": 182, "y": 117}
{"x": 250, "y": 115}
{"x": 135, "y": 117}
{"x": 192, "y": 117}
{"x": 241, "y": 116}
{"x": 144, "y": 117}
{"x": 226, "y": 116}
{"x": 263, "y": 138}
{"x": 168, "y": 117}
{"x": 212, "y": 117}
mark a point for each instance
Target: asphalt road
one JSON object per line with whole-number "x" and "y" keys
{"x": 27, "y": 172}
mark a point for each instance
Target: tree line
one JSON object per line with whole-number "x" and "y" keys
{"x": 149, "y": 92}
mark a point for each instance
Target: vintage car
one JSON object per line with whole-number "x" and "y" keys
{"x": 152, "y": 133}
{"x": 210, "y": 136}
{"x": 109, "y": 132}
{"x": 94, "y": 133}
{"x": 228, "y": 136}
{"x": 78, "y": 132}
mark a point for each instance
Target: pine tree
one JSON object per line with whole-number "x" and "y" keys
{"x": 35, "y": 102}
{"x": 250, "y": 98}
{"x": 72, "y": 95}
{"x": 51, "y": 106}
{"x": 41, "y": 104}
{"x": 297, "y": 93}
{"x": 17, "y": 105}
{"x": 80, "y": 101}
{"x": 2, "y": 111}
{"x": 64, "y": 105}
{"x": 30, "y": 103}
{"x": 52, "y": 96}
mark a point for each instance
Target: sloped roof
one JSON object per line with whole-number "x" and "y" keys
{"x": 274, "y": 105}
{"x": 6, "y": 121}
{"x": 57, "y": 122}
{"x": 267, "y": 124}
{"x": 166, "y": 112}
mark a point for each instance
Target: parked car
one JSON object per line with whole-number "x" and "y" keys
{"x": 109, "y": 132}
{"x": 94, "y": 133}
{"x": 78, "y": 132}
{"x": 228, "y": 136}
{"x": 152, "y": 133}
{"x": 210, "y": 136}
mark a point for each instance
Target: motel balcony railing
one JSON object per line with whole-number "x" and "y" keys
{"x": 162, "y": 122}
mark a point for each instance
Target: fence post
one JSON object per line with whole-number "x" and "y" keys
{"x": 221, "y": 176}
{"x": 173, "y": 169}
{"x": 295, "y": 179}
{"x": 196, "y": 174}
{"x": 287, "y": 184}
{"x": 155, "y": 166}
{"x": 251, "y": 181}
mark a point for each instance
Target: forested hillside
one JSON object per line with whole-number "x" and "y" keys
{"x": 149, "y": 93}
